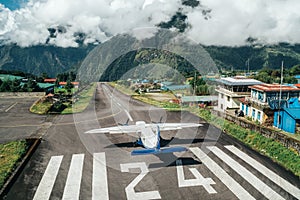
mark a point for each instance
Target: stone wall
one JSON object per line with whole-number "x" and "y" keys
{"x": 265, "y": 131}
{"x": 21, "y": 94}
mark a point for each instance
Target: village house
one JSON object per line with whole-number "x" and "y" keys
{"x": 260, "y": 105}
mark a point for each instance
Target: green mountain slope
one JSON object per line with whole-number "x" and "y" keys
{"x": 41, "y": 59}
{"x": 259, "y": 56}
{"x": 54, "y": 60}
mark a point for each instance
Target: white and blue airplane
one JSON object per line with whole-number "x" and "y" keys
{"x": 148, "y": 135}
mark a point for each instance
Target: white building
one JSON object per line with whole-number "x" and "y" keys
{"x": 231, "y": 90}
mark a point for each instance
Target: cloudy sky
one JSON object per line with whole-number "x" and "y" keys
{"x": 230, "y": 22}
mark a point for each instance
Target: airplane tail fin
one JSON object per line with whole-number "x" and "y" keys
{"x": 125, "y": 124}
{"x": 157, "y": 151}
{"x": 158, "y": 138}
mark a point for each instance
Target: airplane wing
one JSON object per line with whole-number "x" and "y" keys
{"x": 134, "y": 128}
{"x": 116, "y": 129}
{"x": 177, "y": 126}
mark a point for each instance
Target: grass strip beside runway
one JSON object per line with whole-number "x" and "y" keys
{"x": 10, "y": 154}
{"x": 84, "y": 99}
{"x": 286, "y": 157}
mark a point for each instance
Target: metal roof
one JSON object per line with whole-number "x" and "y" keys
{"x": 185, "y": 99}
{"x": 176, "y": 87}
{"x": 238, "y": 81}
{"x": 9, "y": 77}
{"x": 274, "y": 88}
{"x": 297, "y": 76}
{"x": 294, "y": 112}
{"x": 166, "y": 83}
{"x": 45, "y": 85}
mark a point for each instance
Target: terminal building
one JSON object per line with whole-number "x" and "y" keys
{"x": 231, "y": 89}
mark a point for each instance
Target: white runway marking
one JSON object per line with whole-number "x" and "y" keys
{"x": 128, "y": 114}
{"x": 46, "y": 184}
{"x": 100, "y": 185}
{"x": 265, "y": 171}
{"x": 130, "y": 192}
{"x": 236, "y": 188}
{"x": 72, "y": 187}
{"x": 242, "y": 171}
{"x": 10, "y": 107}
{"x": 198, "y": 181}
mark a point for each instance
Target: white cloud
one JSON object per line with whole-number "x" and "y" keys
{"x": 231, "y": 21}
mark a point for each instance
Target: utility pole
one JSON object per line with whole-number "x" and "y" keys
{"x": 248, "y": 62}
{"x": 194, "y": 84}
{"x": 280, "y": 94}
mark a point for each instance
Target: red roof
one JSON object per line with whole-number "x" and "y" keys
{"x": 50, "y": 95}
{"x": 49, "y": 80}
{"x": 273, "y": 88}
{"x": 65, "y": 83}
{"x": 297, "y": 85}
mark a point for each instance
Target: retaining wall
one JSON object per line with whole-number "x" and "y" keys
{"x": 265, "y": 131}
{"x": 21, "y": 94}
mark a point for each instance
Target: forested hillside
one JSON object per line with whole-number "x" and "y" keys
{"x": 259, "y": 56}
{"x": 41, "y": 59}
{"x": 55, "y": 60}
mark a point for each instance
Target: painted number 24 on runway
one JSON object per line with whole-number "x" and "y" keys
{"x": 199, "y": 180}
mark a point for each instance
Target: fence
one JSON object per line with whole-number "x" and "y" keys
{"x": 265, "y": 131}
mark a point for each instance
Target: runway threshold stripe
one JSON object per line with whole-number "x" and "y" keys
{"x": 242, "y": 171}
{"x": 236, "y": 188}
{"x": 100, "y": 186}
{"x": 128, "y": 114}
{"x": 10, "y": 107}
{"x": 46, "y": 184}
{"x": 72, "y": 187}
{"x": 265, "y": 171}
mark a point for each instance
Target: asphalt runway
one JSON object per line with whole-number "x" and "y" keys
{"x": 70, "y": 164}
{"x": 16, "y": 122}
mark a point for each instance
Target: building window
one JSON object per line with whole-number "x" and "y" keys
{"x": 253, "y": 113}
{"x": 221, "y": 106}
{"x": 258, "y": 115}
{"x": 222, "y": 96}
{"x": 228, "y": 98}
{"x": 260, "y": 96}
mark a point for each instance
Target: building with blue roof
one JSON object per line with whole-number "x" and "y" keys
{"x": 264, "y": 100}
{"x": 288, "y": 117}
{"x": 298, "y": 78}
{"x": 5, "y": 77}
{"x": 175, "y": 87}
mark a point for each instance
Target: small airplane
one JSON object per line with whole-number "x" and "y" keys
{"x": 148, "y": 135}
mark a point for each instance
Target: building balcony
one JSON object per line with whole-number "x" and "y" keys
{"x": 232, "y": 94}
{"x": 257, "y": 103}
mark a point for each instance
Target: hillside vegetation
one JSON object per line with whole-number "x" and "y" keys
{"x": 259, "y": 56}
{"x": 54, "y": 60}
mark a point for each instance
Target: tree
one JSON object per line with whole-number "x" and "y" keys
{"x": 197, "y": 81}
{"x": 69, "y": 86}
{"x": 202, "y": 90}
{"x": 33, "y": 86}
{"x": 15, "y": 86}
{"x": 295, "y": 70}
{"x": 6, "y": 86}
